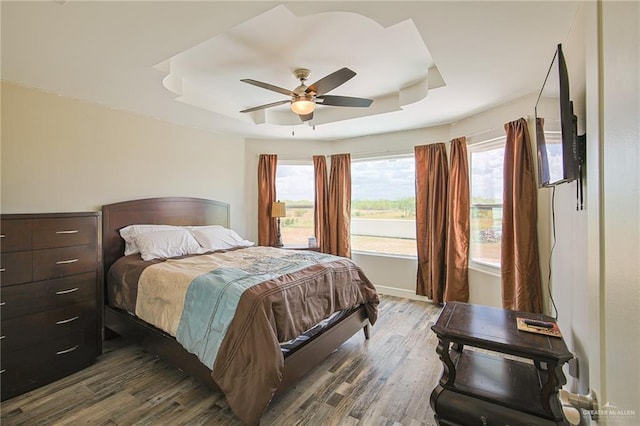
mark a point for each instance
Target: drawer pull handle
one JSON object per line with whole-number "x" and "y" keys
{"x": 71, "y": 231}
{"x": 3, "y": 303}
{"x": 66, "y": 351}
{"x": 2, "y": 337}
{"x": 3, "y": 370}
{"x": 68, "y": 320}
{"x": 71, "y": 290}
{"x": 3, "y": 269}
{"x": 65, "y": 262}
{"x": 2, "y": 236}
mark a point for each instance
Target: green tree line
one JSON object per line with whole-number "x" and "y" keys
{"x": 407, "y": 205}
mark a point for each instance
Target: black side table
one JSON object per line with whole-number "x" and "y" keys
{"x": 484, "y": 387}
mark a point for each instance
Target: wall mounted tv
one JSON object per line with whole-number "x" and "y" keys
{"x": 560, "y": 149}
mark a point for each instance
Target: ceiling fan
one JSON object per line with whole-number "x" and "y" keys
{"x": 305, "y": 98}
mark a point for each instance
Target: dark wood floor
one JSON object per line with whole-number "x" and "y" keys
{"x": 384, "y": 381}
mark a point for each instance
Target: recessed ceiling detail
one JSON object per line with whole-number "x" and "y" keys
{"x": 393, "y": 65}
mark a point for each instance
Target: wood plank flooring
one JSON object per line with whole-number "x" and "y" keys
{"x": 384, "y": 381}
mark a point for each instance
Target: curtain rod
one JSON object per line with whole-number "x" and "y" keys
{"x": 381, "y": 154}
{"x": 355, "y": 155}
{"x": 286, "y": 157}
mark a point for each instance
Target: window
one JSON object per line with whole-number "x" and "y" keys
{"x": 486, "y": 164}
{"x": 296, "y": 188}
{"x": 383, "y": 206}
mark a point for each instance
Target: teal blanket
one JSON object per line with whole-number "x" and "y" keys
{"x": 213, "y": 297}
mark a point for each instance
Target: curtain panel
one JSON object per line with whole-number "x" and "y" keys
{"x": 339, "y": 208}
{"x": 431, "y": 219}
{"x": 457, "y": 254}
{"x": 267, "y": 227}
{"x": 521, "y": 284}
{"x": 321, "y": 201}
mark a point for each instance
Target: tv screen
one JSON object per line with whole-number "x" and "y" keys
{"x": 556, "y": 127}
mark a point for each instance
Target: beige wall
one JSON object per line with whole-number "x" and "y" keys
{"x": 618, "y": 142}
{"x": 596, "y": 273}
{"x": 61, "y": 154}
{"x": 569, "y": 260}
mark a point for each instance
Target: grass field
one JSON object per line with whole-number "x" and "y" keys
{"x": 297, "y": 227}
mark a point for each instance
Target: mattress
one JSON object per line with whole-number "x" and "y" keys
{"x": 122, "y": 291}
{"x": 263, "y": 303}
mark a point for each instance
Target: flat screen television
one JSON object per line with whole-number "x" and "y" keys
{"x": 560, "y": 150}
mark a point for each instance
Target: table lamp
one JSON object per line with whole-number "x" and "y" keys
{"x": 278, "y": 210}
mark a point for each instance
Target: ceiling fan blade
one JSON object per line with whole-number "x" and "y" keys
{"x": 306, "y": 117}
{"x": 272, "y": 104}
{"x": 268, "y": 86}
{"x": 344, "y": 101}
{"x": 331, "y": 81}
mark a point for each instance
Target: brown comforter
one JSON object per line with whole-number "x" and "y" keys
{"x": 249, "y": 364}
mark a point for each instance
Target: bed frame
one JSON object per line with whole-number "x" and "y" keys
{"x": 196, "y": 211}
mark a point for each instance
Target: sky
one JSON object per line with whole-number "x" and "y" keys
{"x": 486, "y": 174}
{"x": 390, "y": 179}
{"x": 387, "y": 179}
{"x": 295, "y": 182}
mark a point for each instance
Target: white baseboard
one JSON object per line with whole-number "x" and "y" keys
{"x": 399, "y": 292}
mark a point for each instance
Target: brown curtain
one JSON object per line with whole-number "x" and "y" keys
{"x": 321, "y": 201}
{"x": 457, "y": 282}
{"x": 521, "y": 284}
{"x": 431, "y": 219}
{"x": 267, "y": 231}
{"x": 339, "y": 209}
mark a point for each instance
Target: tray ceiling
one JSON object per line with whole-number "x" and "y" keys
{"x": 423, "y": 63}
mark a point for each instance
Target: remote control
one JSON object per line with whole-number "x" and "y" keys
{"x": 537, "y": 323}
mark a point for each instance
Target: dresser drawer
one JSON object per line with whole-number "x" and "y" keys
{"x": 15, "y": 268}
{"x": 15, "y": 235}
{"x": 64, "y": 232}
{"x": 60, "y": 262}
{"x": 50, "y": 301}
{"x": 44, "y": 295}
{"x": 46, "y": 362}
{"x": 28, "y": 330}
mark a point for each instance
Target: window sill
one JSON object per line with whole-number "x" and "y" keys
{"x": 485, "y": 268}
{"x": 395, "y": 256}
{"x": 476, "y": 266}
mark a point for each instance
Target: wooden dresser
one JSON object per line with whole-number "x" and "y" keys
{"x": 51, "y": 278}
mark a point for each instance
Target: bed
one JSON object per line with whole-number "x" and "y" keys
{"x": 291, "y": 362}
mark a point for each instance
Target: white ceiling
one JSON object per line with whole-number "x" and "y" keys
{"x": 424, "y": 63}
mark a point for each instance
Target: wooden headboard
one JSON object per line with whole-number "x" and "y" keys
{"x": 166, "y": 210}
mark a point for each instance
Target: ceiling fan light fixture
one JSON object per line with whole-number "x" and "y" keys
{"x": 303, "y": 98}
{"x": 303, "y": 105}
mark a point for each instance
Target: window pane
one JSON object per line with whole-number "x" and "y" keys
{"x": 486, "y": 205}
{"x": 295, "y": 187}
{"x": 383, "y": 206}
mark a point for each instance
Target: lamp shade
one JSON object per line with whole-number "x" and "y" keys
{"x": 303, "y": 105}
{"x": 278, "y": 209}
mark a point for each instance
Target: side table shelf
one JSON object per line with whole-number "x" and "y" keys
{"x": 485, "y": 386}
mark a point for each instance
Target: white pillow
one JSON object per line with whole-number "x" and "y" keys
{"x": 164, "y": 244}
{"x": 218, "y": 237}
{"x": 129, "y": 232}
